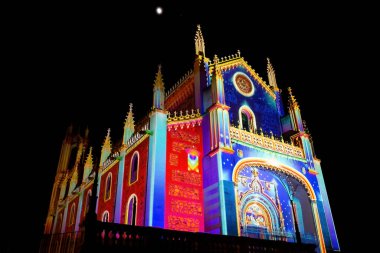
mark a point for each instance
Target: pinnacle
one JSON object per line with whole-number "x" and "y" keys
{"x": 292, "y": 99}
{"x": 199, "y": 42}
{"x": 159, "y": 82}
{"x": 107, "y": 141}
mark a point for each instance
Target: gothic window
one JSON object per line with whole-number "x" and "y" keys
{"x": 106, "y": 216}
{"x": 88, "y": 200}
{"x": 107, "y": 194}
{"x": 247, "y": 119}
{"x": 72, "y": 215}
{"x": 131, "y": 210}
{"x": 134, "y": 168}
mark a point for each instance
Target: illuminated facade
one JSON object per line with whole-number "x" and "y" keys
{"x": 217, "y": 154}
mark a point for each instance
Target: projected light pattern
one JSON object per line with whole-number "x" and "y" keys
{"x": 217, "y": 153}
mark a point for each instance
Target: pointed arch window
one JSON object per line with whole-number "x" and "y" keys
{"x": 247, "y": 120}
{"x": 72, "y": 215}
{"x": 107, "y": 190}
{"x": 88, "y": 200}
{"x": 134, "y": 168}
{"x": 131, "y": 210}
{"x": 106, "y": 216}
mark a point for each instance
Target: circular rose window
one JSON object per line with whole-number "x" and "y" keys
{"x": 243, "y": 84}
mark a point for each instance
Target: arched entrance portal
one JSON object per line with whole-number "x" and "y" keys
{"x": 257, "y": 215}
{"x": 272, "y": 200}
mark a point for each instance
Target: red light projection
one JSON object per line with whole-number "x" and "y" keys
{"x": 184, "y": 191}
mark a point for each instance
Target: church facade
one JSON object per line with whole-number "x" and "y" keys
{"x": 218, "y": 153}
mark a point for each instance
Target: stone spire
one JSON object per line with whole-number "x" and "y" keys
{"x": 158, "y": 90}
{"x": 79, "y": 154}
{"x": 295, "y": 112}
{"x": 199, "y": 42}
{"x": 74, "y": 177}
{"x": 107, "y": 141}
{"x": 89, "y": 160}
{"x": 88, "y": 165}
{"x": 73, "y": 180}
{"x": 159, "y": 82}
{"x": 129, "y": 126}
{"x": 106, "y": 148}
{"x": 271, "y": 75}
{"x": 292, "y": 100}
{"x": 217, "y": 87}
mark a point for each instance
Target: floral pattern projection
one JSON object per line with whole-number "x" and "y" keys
{"x": 262, "y": 204}
{"x": 184, "y": 189}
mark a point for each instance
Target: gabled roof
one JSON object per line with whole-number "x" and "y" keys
{"x": 233, "y": 61}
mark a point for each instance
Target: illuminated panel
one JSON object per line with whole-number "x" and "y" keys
{"x": 108, "y": 204}
{"x": 86, "y": 202}
{"x": 71, "y": 217}
{"x": 138, "y": 188}
{"x": 184, "y": 208}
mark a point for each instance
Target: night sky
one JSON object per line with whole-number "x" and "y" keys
{"x": 85, "y": 64}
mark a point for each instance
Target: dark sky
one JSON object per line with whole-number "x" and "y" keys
{"x": 85, "y": 64}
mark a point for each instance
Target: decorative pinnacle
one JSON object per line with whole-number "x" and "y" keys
{"x": 129, "y": 122}
{"x": 216, "y": 59}
{"x": 107, "y": 141}
{"x": 89, "y": 160}
{"x": 292, "y": 100}
{"x": 80, "y": 151}
{"x": 199, "y": 41}
{"x": 271, "y": 74}
{"x": 159, "y": 82}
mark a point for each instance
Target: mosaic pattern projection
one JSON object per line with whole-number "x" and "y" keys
{"x": 263, "y": 203}
{"x": 184, "y": 198}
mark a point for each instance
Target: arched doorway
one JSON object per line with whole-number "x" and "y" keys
{"x": 273, "y": 199}
{"x": 258, "y": 204}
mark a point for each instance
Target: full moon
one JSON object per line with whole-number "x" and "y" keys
{"x": 159, "y": 10}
